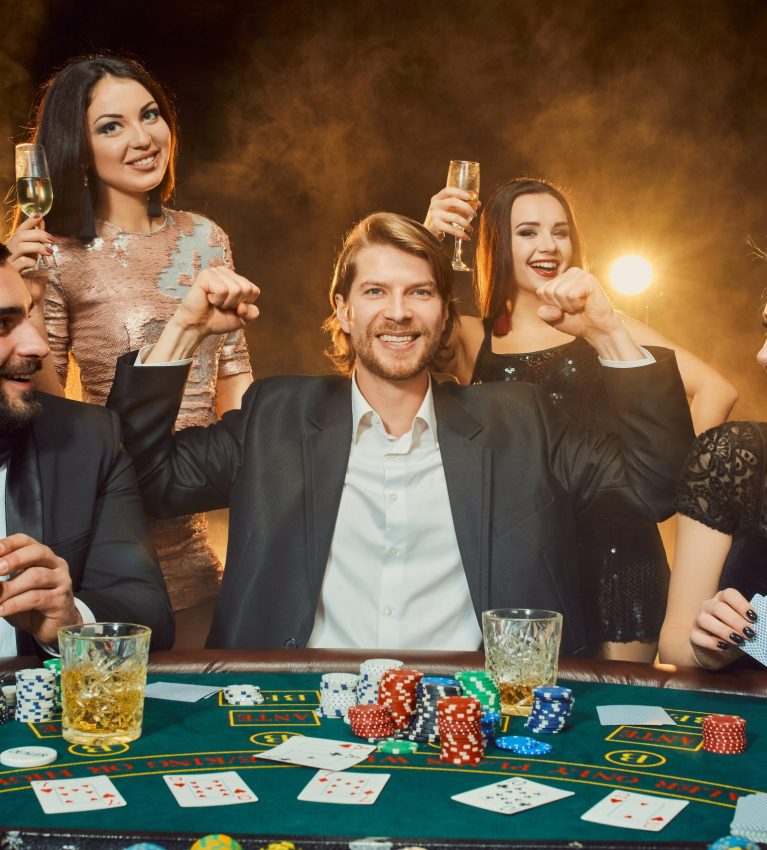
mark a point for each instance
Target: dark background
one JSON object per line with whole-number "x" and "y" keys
{"x": 299, "y": 117}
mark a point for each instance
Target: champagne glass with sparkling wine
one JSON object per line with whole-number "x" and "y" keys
{"x": 33, "y": 185}
{"x": 463, "y": 175}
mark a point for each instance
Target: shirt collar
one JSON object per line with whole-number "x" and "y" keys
{"x": 363, "y": 415}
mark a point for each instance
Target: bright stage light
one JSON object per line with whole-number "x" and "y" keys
{"x": 631, "y": 274}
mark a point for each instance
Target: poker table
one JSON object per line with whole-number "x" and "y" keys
{"x": 414, "y": 807}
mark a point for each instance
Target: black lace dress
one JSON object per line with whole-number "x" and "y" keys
{"x": 723, "y": 486}
{"x": 623, "y": 568}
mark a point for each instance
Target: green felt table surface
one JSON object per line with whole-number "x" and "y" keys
{"x": 587, "y": 758}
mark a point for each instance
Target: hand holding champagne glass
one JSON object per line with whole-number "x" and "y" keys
{"x": 463, "y": 175}
{"x": 33, "y": 185}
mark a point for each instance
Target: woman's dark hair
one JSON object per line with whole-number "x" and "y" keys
{"x": 60, "y": 126}
{"x": 493, "y": 263}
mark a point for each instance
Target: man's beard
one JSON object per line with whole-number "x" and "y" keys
{"x": 18, "y": 414}
{"x": 394, "y": 368}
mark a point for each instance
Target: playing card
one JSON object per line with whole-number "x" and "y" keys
{"x": 511, "y": 796}
{"x": 757, "y": 648}
{"x": 319, "y": 752}
{"x": 634, "y": 811}
{"x": 356, "y": 789}
{"x": 77, "y": 795}
{"x": 224, "y": 788}
{"x": 633, "y": 715}
{"x": 179, "y": 692}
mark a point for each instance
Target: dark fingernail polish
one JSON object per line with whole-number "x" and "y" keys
{"x": 751, "y": 615}
{"x": 749, "y": 632}
{"x": 722, "y": 645}
{"x": 737, "y": 639}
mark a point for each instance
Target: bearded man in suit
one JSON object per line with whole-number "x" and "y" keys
{"x": 380, "y": 508}
{"x": 74, "y": 545}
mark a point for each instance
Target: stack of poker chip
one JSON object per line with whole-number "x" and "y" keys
{"x": 6, "y": 712}
{"x": 55, "y": 665}
{"x": 243, "y": 695}
{"x": 35, "y": 695}
{"x": 459, "y": 720}
{"x": 552, "y": 705}
{"x": 423, "y": 725}
{"x": 724, "y": 733}
{"x": 338, "y": 693}
{"x": 371, "y": 721}
{"x": 491, "y": 726}
{"x": 371, "y": 672}
{"x": 482, "y": 685}
{"x": 523, "y": 746}
{"x": 397, "y": 692}
{"x": 396, "y": 747}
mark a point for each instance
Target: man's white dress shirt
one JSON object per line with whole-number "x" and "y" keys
{"x": 394, "y": 576}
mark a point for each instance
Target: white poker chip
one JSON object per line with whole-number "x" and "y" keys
{"x": 243, "y": 695}
{"x": 28, "y": 756}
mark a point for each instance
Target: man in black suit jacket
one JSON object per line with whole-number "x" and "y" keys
{"x": 313, "y": 542}
{"x": 74, "y": 542}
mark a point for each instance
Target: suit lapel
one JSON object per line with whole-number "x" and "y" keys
{"x": 326, "y": 454}
{"x": 23, "y": 491}
{"x": 467, "y": 466}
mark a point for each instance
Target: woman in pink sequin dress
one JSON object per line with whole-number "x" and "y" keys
{"x": 120, "y": 263}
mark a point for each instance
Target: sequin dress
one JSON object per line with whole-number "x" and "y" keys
{"x": 114, "y": 295}
{"x": 723, "y": 486}
{"x": 622, "y": 564}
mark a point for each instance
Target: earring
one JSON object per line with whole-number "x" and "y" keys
{"x": 154, "y": 208}
{"x": 87, "y": 222}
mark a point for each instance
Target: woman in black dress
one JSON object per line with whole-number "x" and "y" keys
{"x": 720, "y": 561}
{"x": 527, "y": 237}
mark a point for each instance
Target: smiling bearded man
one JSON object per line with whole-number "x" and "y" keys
{"x": 74, "y": 544}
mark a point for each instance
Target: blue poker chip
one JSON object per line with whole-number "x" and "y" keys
{"x": 522, "y": 745}
{"x": 733, "y": 841}
{"x": 553, "y": 692}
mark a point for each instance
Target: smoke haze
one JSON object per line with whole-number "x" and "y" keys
{"x": 298, "y": 118}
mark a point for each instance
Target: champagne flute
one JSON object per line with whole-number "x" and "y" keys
{"x": 463, "y": 175}
{"x": 33, "y": 185}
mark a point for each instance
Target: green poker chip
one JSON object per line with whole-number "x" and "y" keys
{"x": 397, "y": 748}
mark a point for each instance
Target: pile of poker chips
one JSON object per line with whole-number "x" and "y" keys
{"x": 6, "y": 712}
{"x": 482, "y": 685}
{"x": 491, "y": 726}
{"x": 397, "y": 692}
{"x": 523, "y": 746}
{"x": 724, "y": 733}
{"x": 35, "y": 695}
{"x": 243, "y": 695}
{"x": 371, "y": 721}
{"x": 338, "y": 693}
{"x": 750, "y": 818}
{"x": 459, "y": 721}
{"x": 396, "y": 747}
{"x": 551, "y": 708}
{"x": 55, "y": 665}
{"x": 371, "y": 672}
{"x": 423, "y": 725}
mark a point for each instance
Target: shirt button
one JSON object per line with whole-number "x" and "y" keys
{"x": 393, "y": 551}
{"x": 387, "y": 612}
{"x": 392, "y": 497}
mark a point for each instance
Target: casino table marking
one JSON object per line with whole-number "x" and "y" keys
{"x": 647, "y": 760}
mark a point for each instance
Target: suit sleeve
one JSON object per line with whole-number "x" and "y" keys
{"x": 187, "y": 472}
{"x": 121, "y": 580}
{"x": 654, "y": 433}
